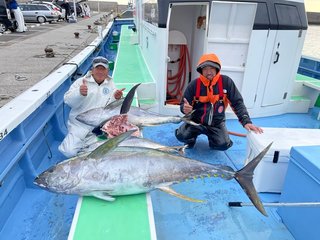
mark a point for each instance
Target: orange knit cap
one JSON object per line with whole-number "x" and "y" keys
{"x": 208, "y": 60}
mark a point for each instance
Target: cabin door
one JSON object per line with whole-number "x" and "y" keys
{"x": 281, "y": 67}
{"x": 230, "y": 27}
{"x": 187, "y": 30}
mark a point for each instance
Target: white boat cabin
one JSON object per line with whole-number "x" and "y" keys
{"x": 259, "y": 43}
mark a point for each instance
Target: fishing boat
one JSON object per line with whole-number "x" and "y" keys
{"x": 259, "y": 43}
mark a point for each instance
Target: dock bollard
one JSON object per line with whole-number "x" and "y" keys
{"x": 76, "y": 35}
{"x": 49, "y": 52}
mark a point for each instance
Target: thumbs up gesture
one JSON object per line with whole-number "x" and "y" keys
{"x": 187, "y": 108}
{"x": 84, "y": 88}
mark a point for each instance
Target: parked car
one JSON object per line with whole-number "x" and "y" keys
{"x": 41, "y": 13}
{"x": 54, "y": 7}
{"x": 7, "y": 21}
{"x": 78, "y": 9}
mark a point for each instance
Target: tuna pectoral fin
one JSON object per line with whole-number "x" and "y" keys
{"x": 102, "y": 195}
{"x": 178, "y": 149}
{"x": 116, "y": 103}
{"x": 245, "y": 176}
{"x": 174, "y": 193}
{"x": 109, "y": 145}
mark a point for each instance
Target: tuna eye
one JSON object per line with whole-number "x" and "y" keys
{"x": 50, "y": 170}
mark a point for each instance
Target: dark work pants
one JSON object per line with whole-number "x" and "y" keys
{"x": 218, "y": 136}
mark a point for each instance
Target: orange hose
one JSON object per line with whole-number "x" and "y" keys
{"x": 237, "y": 134}
{"x": 178, "y": 81}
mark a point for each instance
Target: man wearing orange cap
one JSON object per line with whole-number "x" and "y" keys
{"x": 208, "y": 97}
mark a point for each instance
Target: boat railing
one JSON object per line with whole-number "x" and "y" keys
{"x": 33, "y": 123}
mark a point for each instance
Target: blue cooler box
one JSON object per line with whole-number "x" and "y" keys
{"x": 302, "y": 184}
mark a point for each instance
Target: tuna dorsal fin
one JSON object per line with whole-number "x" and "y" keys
{"x": 109, "y": 145}
{"x": 128, "y": 100}
{"x": 174, "y": 193}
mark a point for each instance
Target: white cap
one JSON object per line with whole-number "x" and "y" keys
{"x": 100, "y": 61}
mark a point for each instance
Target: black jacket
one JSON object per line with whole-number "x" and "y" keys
{"x": 203, "y": 110}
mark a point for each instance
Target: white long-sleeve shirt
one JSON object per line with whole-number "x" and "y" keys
{"x": 98, "y": 96}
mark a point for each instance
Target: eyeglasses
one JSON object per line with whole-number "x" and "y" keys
{"x": 100, "y": 60}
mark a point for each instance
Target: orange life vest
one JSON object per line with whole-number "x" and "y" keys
{"x": 210, "y": 97}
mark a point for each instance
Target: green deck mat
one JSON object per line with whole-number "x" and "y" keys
{"x": 300, "y": 77}
{"x": 317, "y": 104}
{"x": 299, "y": 98}
{"x": 130, "y": 67}
{"x": 126, "y": 216}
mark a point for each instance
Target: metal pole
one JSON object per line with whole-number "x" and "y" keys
{"x": 283, "y": 204}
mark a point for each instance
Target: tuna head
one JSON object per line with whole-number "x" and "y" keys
{"x": 59, "y": 178}
{"x": 95, "y": 116}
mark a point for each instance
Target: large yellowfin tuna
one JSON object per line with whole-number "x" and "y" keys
{"x": 139, "y": 117}
{"x": 109, "y": 171}
{"x": 133, "y": 141}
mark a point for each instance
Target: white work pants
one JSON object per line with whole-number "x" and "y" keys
{"x": 20, "y": 20}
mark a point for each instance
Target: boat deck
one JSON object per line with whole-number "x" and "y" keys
{"x": 212, "y": 219}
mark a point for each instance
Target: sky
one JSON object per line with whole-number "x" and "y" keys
{"x": 312, "y": 5}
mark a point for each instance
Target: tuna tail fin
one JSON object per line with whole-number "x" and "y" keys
{"x": 244, "y": 177}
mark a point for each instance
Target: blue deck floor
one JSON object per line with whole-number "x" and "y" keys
{"x": 174, "y": 218}
{"x": 214, "y": 219}
{"x": 40, "y": 214}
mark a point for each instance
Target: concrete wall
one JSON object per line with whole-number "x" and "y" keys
{"x": 313, "y": 17}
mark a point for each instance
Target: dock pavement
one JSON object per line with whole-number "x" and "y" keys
{"x": 24, "y": 63}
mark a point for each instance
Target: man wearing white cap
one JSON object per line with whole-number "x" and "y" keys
{"x": 95, "y": 89}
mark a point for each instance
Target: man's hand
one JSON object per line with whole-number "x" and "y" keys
{"x": 251, "y": 127}
{"x": 84, "y": 88}
{"x": 187, "y": 108}
{"x": 118, "y": 93}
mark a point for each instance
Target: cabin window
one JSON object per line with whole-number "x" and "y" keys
{"x": 288, "y": 16}
{"x": 150, "y": 12}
